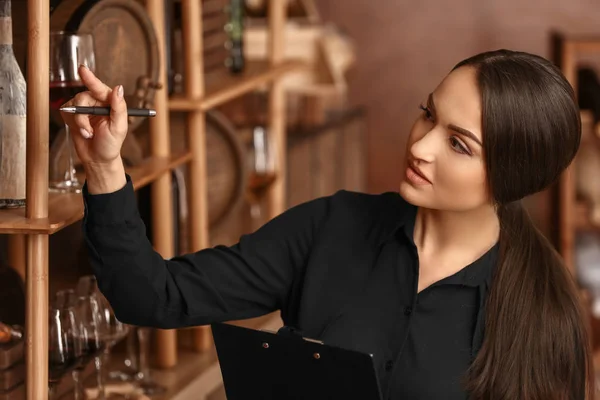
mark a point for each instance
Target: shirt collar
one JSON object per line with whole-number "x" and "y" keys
{"x": 400, "y": 217}
{"x": 479, "y": 272}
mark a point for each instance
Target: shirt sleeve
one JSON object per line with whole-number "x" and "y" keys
{"x": 251, "y": 278}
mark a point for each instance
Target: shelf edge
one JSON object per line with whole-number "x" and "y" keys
{"x": 221, "y": 96}
{"x": 46, "y": 226}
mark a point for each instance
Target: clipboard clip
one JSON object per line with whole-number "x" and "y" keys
{"x": 293, "y": 332}
{"x": 290, "y": 331}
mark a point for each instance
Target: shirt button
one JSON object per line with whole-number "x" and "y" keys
{"x": 389, "y": 365}
{"x": 407, "y": 310}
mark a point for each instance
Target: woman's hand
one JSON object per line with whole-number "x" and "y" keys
{"x": 98, "y": 139}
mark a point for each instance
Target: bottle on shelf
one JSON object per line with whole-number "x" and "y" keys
{"x": 235, "y": 30}
{"x": 13, "y": 107}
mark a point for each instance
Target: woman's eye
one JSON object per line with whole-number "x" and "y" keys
{"x": 457, "y": 145}
{"x": 426, "y": 112}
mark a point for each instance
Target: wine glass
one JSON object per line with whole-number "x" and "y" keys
{"x": 116, "y": 330}
{"x": 262, "y": 169}
{"x": 88, "y": 284}
{"x": 68, "y": 50}
{"x": 131, "y": 359}
{"x": 63, "y": 348}
{"x": 261, "y": 157}
{"x": 66, "y": 301}
{"x": 148, "y": 386}
{"x": 93, "y": 331}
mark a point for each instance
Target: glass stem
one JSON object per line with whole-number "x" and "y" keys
{"x": 106, "y": 356}
{"x": 256, "y": 213}
{"x": 143, "y": 366}
{"x": 70, "y": 175}
{"x": 131, "y": 364}
{"x": 100, "y": 377}
{"x": 131, "y": 360}
{"x": 78, "y": 393}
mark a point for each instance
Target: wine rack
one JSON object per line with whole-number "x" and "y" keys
{"x": 46, "y": 214}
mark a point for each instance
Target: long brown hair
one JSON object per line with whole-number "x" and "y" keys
{"x": 536, "y": 344}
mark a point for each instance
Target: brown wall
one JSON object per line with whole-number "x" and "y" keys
{"x": 405, "y": 48}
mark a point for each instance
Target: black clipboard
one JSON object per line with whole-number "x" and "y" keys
{"x": 258, "y": 364}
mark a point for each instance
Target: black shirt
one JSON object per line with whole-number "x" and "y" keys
{"x": 343, "y": 269}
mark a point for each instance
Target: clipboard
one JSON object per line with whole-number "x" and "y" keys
{"x": 259, "y": 364}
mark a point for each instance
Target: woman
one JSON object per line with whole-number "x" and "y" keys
{"x": 447, "y": 283}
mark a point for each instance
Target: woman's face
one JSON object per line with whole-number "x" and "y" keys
{"x": 444, "y": 167}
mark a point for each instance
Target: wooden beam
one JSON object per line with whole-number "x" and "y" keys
{"x": 277, "y": 110}
{"x": 162, "y": 202}
{"x": 37, "y": 197}
{"x": 191, "y": 11}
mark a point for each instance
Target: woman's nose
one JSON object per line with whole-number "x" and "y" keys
{"x": 425, "y": 147}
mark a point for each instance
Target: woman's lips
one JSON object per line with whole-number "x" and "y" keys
{"x": 416, "y": 177}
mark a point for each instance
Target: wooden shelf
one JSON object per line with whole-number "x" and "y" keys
{"x": 48, "y": 213}
{"x": 227, "y": 87}
{"x": 65, "y": 209}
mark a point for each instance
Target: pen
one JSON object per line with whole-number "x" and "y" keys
{"x": 133, "y": 112}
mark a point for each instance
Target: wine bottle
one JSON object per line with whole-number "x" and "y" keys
{"x": 235, "y": 30}
{"x": 9, "y": 333}
{"x": 13, "y": 108}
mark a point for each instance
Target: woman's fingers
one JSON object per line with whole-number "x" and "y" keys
{"x": 118, "y": 111}
{"x": 80, "y": 122}
{"x": 98, "y": 94}
{"x": 97, "y": 88}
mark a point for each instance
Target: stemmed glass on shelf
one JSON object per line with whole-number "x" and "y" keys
{"x": 115, "y": 331}
{"x": 68, "y": 50}
{"x": 93, "y": 329}
{"x": 64, "y": 346}
{"x": 262, "y": 161}
{"x": 66, "y": 300}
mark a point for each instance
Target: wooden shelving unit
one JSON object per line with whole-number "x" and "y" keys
{"x": 47, "y": 213}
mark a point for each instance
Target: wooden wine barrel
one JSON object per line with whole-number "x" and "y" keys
{"x": 126, "y": 46}
{"x": 226, "y": 167}
{"x": 226, "y": 162}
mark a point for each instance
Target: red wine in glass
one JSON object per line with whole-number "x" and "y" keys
{"x": 258, "y": 183}
{"x": 61, "y": 92}
{"x": 92, "y": 348}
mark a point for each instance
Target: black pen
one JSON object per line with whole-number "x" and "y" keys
{"x": 133, "y": 112}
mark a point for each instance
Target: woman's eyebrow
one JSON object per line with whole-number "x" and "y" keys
{"x": 457, "y": 129}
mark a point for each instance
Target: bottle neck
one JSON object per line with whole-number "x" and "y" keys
{"x": 6, "y": 34}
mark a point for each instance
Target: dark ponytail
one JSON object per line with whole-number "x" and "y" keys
{"x": 536, "y": 344}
